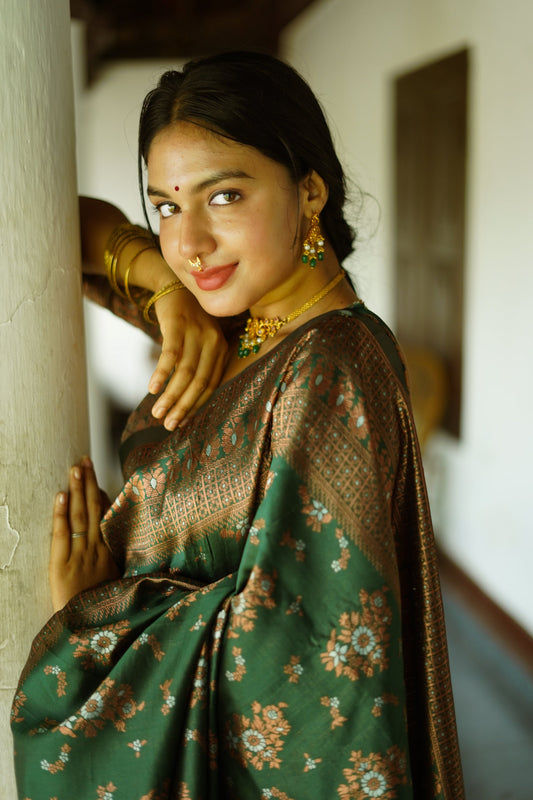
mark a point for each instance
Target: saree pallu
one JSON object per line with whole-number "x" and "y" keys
{"x": 278, "y": 629}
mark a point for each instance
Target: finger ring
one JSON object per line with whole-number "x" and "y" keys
{"x": 76, "y": 535}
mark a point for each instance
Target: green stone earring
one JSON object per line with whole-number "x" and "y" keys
{"x": 313, "y": 247}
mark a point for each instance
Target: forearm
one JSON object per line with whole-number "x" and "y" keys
{"x": 98, "y": 220}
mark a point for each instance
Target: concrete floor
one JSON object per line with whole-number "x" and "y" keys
{"x": 494, "y": 707}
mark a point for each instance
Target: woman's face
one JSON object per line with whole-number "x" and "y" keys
{"x": 233, "y": 207}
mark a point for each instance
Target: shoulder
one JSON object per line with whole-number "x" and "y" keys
{"x": 353, "y": 339}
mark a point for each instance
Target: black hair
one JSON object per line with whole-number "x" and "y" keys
{"x": 257, "y": 100}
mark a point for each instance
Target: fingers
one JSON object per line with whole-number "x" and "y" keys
{"x": 60, "y": 530}
{"x": 93, "y": 501}
{"x": 165, "y": 365}
{"x": 80, "y": 524}
{"x": 201, "y": 387}
{"x": 196, "y": 376}
{"x": 77, "y": 512}
{"x": 79, "y": 562}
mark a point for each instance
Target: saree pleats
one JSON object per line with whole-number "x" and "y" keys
{"x": 278, "y": 630}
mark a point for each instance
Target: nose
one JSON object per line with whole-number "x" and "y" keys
{"x": 194, "y": 237}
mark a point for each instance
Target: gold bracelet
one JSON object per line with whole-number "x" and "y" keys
{"x": 170, "y": 287}
{"x": 127, "y": 290}
{"x": 121, "y": 236}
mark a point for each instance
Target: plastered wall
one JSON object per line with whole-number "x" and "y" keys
{"x": 43, "y": 415}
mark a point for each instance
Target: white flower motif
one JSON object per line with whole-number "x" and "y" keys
{"x": 229, "y": 675}
{"x": 319, "y": 511}
{"x": 171, "y": 702}
{"x": 334, "y": 702}
{"x": 310, "y": 763}
{"x": 45, "y": 765}
{"x": 240, "y": 660}
{"x": 127, "y": 708}
{"x": 374, "y": 784}
{"x": 104, "y": 641}
{"x": 69, "y": 723}
{"x": 335, "y": 566}
{"x": 343, "y": 542}
{"x": 189, "y": 735}
{"x": 93, "y": 707}
{"x": 143, "y": 638}
{"x": 238, "y": 604}
{"x": 338, "y": 654}
{"x": 56, "y": 670}
{"x": 363, "y": 640}
{"x": 64, "y": 757}
{"x": 298, "y": 669}
{"x": 300, "y": 544}
{"x": 253, "y": 740}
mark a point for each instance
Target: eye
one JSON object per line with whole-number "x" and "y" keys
{"x": 224, "y": 198}
{"x": 166, "y": 209}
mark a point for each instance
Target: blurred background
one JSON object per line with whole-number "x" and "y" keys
{"x": 430, "y": 105}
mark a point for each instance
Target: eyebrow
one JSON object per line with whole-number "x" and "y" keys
{"x": 216, "y": 177}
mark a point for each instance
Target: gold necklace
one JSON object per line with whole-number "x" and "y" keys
{"x": 257, "y": 330}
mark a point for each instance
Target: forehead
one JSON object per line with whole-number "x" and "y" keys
{"x": 183, "y": 148}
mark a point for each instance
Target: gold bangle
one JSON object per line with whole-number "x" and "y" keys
{"x": 121, "y": 236}
{"x": 127, "y": 290}
{"x": 170, "y": 287}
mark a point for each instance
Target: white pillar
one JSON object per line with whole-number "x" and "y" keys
{"x": 43, "y": 413}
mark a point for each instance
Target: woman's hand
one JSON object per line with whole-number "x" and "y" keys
{"x": 194, "y": 355}
{"x": 79, "y": 558}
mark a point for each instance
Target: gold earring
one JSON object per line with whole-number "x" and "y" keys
{"x": 196, "y": 263}
{"x": 313, "y": 246}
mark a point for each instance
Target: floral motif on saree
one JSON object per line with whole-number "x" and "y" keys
{"x": 278, "y": 629}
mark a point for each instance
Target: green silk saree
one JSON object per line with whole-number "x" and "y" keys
{"x": 278, "y": 629}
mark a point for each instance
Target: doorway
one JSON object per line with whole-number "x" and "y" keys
{"x": 430, "y": 190}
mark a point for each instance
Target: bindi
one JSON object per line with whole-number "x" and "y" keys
{"x": 176, "y": 188}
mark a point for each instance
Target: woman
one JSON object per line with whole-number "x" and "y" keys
{"x": 258, "y": 613}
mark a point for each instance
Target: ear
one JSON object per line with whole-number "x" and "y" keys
{"x": 314, "y": 194}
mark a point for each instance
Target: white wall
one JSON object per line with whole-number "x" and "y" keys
{"x": 351, "y": 50}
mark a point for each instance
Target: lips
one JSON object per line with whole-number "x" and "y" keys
{"x": 214, "y": 277}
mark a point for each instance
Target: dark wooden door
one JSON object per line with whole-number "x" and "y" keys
{"x": 430, "y": 179}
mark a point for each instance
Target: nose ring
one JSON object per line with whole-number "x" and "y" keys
{"x": 196, "y": 263}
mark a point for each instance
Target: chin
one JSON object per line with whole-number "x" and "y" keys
{"x": 220, "y": 307}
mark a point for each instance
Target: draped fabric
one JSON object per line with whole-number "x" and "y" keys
{"x": 278, "y": 629}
